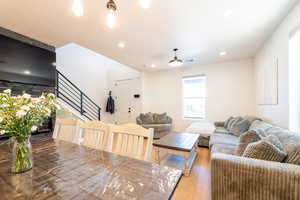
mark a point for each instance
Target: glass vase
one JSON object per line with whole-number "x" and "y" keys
{"x": 22, "y": 155}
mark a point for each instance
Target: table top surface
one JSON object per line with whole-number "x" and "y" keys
{"x": 178, "y": 141}
{"x": 63, "y": 170}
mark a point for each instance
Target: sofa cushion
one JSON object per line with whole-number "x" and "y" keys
{"x": 158, "y": 127}
{"x": 223, "y": 139}
{"x": 239, "y": 127}
{"x": 245, "y": 139}
{"x": 223, "y": 148}
{"x": 264, "y": 150}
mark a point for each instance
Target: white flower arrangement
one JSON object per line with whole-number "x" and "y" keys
{"x": 7, "y": 91}
{"x": 21, "y": 115}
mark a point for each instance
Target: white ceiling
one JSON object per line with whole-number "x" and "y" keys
{"x": 197, "y": 27}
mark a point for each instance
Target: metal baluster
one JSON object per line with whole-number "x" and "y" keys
{"x": 99, "y": 110}
{"x": 57, "y": 87}
{"x": 81, "y": 103}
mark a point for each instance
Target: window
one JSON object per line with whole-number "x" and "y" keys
{"x": 194, "y": 97}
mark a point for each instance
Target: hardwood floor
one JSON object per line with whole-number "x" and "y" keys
{"x": 197, "y": 186}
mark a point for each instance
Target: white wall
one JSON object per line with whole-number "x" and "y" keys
{"x": 94, "y": 74}
{"x": 124, "y": 73}
{"x": 230, "y": 91}
{"x": 277, "y": 46}
{"x": 86, "y": 69}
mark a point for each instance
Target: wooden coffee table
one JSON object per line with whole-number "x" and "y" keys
{"x": 180, "y": 150}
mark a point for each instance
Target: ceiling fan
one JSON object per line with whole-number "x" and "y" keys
{"x": 175, "y": 62}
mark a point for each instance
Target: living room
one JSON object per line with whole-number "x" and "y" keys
{"x": 212, "y": 87}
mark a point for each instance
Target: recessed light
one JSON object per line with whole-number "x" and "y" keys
{"x": 153, "y": 66}
{"x": 27, "y": 72}
{"x": 223, "y": 53}
{"x": 121, "y": 45}
{"x": 145, "y": 3}
{"x": 77, "y": 8}
{"x": 228, "y": 13}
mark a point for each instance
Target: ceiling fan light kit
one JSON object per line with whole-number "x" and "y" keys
{"x": 175, "y": 62}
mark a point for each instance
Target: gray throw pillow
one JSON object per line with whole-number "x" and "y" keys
{"x": 245, "y": 139}
{"x": 147, "y": 118}
{"x": 264, "y": 150}
{"x": 160, "y": 118}
{"x": 294, "y": 157}
{"x": 227, "y": 122}
{"x": 233, "y": 121}
{"x": 239, "y": 127}
{"x": 275, "y": 141}
{"x": 261, "y": 132}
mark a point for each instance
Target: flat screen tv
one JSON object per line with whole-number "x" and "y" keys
{"x": 26, "y": 64}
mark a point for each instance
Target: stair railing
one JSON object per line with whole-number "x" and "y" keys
{"x": 74, "y": 97}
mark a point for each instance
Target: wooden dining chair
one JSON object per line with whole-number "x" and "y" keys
{"x": 130, "y": 141}
{"x": 95, "y": 134}
{"x": 67, "y": 129}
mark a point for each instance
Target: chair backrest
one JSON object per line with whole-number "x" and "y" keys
{"x": 130, "y": 141}
{"x": 96, "y": 135}
{"x": 67, "y": 129}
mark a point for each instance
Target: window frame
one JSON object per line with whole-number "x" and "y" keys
{"x": 202, "y": 76}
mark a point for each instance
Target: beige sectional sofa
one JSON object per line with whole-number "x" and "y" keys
{"x": 236, "y": 177}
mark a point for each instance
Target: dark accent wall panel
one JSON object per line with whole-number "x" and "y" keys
{"x": 25, "y": 39}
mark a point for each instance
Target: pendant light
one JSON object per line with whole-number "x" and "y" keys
{"x": 175, "y": 62}
{"x": 77, "y": 8}
{"x": 111, "y": 18}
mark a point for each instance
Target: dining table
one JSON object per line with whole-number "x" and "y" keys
{"x": 64, "y": 170}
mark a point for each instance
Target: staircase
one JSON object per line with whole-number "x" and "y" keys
{"x": 71, "y": 95}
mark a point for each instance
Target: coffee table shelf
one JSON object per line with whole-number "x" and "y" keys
{"x": 180, "y": 148}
